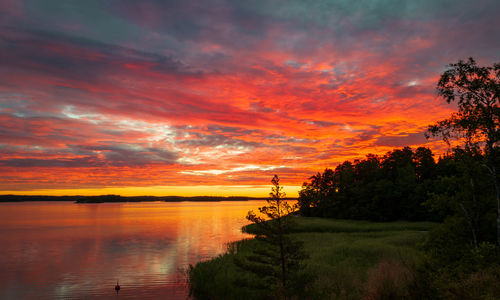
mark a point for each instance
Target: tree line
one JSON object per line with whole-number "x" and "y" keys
{"x": 377, "y": 188}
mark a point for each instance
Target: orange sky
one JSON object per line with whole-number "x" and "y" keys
{"x": 172, "y": 98}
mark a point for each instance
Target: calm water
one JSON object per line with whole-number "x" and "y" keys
{"x": 63, "y": 250}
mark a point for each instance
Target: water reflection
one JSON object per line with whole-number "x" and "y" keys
{"x": 54, "y": 250}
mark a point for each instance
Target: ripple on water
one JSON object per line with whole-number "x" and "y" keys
{"x": 57, "y": 250}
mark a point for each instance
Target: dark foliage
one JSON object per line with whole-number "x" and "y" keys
{"x": 392, "y": 187}
{"x": 463, "y": 261}
{"x": 476, "y": 90}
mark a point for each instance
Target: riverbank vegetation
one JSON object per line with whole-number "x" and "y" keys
{"x": 347, "y": 259}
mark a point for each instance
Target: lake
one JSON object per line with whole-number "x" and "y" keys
{"x": 64, "y": 250}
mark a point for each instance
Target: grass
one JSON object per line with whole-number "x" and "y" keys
{"x": 347, "y": 260}
{"x": 304, "y": 224}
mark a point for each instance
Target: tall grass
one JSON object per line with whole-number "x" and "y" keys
{"x": 347, "y": 260}
{"x": 305, "y": 224}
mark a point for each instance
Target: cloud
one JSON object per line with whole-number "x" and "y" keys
{"x": 35, "y": 163}
{"x": 401, "y": 140}
{"x": 132, "y": 155}
{"x": 127, "y": 92}
{"x": 77, "y": 58}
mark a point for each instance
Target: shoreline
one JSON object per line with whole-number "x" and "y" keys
{"x": 121, "y": 199}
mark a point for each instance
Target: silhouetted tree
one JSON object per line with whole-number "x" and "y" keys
{"x": 316, "y": 197}
{"x": 477, "y": 92}
{"x": 279, "y": 261}
{"x": 345, "y": 191}
{"x": 425, "y": 166}
{"x": 375, "y": 188}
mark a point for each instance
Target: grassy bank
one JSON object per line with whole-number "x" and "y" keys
{"x": 347, "y": 260}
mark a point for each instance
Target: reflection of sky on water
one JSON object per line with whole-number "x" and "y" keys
{"x": 67, "y": 250}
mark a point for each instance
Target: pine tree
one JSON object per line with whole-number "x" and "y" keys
{"x": 278, "y": 262}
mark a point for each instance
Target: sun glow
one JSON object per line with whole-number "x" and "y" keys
{"x": 199, "y": 190}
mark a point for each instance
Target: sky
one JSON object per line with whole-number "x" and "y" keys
{"x": 214, "y": 97}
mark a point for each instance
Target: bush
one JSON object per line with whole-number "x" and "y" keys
{"x": 389, "y": 280}
{"x": 475, "y": 275}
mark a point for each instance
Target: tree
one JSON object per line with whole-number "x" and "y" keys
{"x": 425, "y": 166}
{"x": 464, "y": 195}
{"x": 317, "y": 197}
{"x": 477, "y": 93}
{"x": 280, "y": 260}
{"x": 376, "y": 188}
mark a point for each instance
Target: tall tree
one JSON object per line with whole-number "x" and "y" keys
{"x": 281, "y": 258}
{"x": 476, "y": 90}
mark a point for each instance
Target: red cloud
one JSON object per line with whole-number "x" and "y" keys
{"x": 192, "y": 106}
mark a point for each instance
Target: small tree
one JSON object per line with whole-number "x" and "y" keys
{"x": 477, "y": 92}
{"x": 279, "y": 260}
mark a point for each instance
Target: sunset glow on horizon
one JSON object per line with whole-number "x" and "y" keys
{"x": 186, "y": 191}
{"x": 177, "y": 98}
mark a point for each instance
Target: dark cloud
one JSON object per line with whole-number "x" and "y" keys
{"x": 260, "y": 106}
{"x": 100, "y": 156}
{"x": 362, "y": 136}
{"x": 322, "y": 124}
{"x": 77, "y": 58}
{"x": 233, "y": 131}
{"x": 215, "y": 140}
{"x": 401, "y": 140}
{"x": 130, "y": 155}
{"x": 35, "y": 163}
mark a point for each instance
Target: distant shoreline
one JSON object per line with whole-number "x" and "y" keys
{"x": 118, "y": 198}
